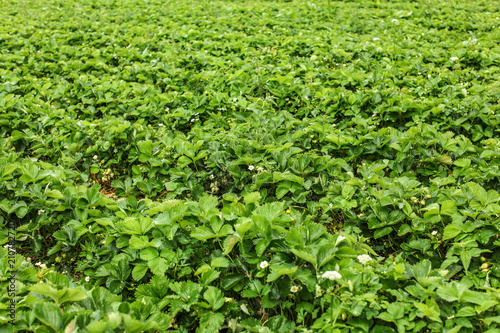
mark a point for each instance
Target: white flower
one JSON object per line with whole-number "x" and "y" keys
{"x": 364, "y": 258}
{"x": 43, "y": 266}
{"x": 192, "y": 120}
{"x": 251, "y": 167}
{"x": 395, "y": 21}
{"x": 160, "y": 125}
{"x": 212, "y": 177}
{"x": 319, "y": 291}
{"x": 331, "y": 275}
{"x": 376, "y": 38}
{"x": 235, "y": 99}
{"x": 330, "y": 205}
{"x": 453, "y": 59}
{"x": 264, "y": 264}
{"x": 87, "y": 279}
{"x": 294, "y": 289}
{"x": 339, "y": 239}
{"x": 95, "y": 157}
{"x": 41, "y": 211}
{"x": 434, "y": 233}
{"x": 38, "y": 264}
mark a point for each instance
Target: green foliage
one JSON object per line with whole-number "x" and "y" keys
{"x": 250, "y": 166}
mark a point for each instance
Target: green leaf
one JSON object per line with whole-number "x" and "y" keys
{"x": 309, "y": 257}
{"x": 243, "y": 226}
{"x": 287, "y": 175}
{"x": 466, "y": 312}
{"x": 421, "y": 269}
{"x": 306, "y": 277}
{"x": 430, "y": 309}
{"x": 479, "y": 192}
{"x": 348, "y": 191}
{"x": 280, "y": 270}
{"x": 252, "y": 197}
{"x": 72, "y": 295}
{"x": 463, "y": 162}
{"x": 352, "y": 99}
{"x": 445, "y": 159}
{"x": 138, "y": 242}
{"x": 219, "y": 262}
{"x": 448, "y": 208}
{"x": 214, "y": 297}
{"x": 130, "y": 226}
{"x": 268, "y": 303}
{"x": 139, "y": 271}
{"x": 212, "y": 322}
{"x": 146, "y": 147}
{"x": 208, "y": 205}
{"x": 475, "y": 297}
{"x": 281, "y": 191}
{"x": 382, "y": 232}
{"x": 8, "y": 169}
{"x": 325, "y": 254}
{"x": 202, "y": 269}
{"x": 149, "y": 253}
{"x": 432, "y": 209}
{"x": 224, "y": 231}
{"x": 466, "y": 257}
{"x": 490, "y": 320}
{"x": 394, "y": 312}
{"x": 158, "y": 265}
{"x": 209, "y": 276}
{"x": 105, "y": 222}
{"x": 262, "y": 225}
{"x": 261, "y": 246}
{"x": 293, "y": 237}
{"x": 49, "y": 314}
{"x": 493, "y": 196}
{"x": 451, "y": 231}
{"x": 452, "y": 292}
{"x": 98, "y": 326}
{"x": 228, "y": 281}
{"x": 203, "y": 233}
{"x": 229, "y": 243}
{"x": 269, "y": 210}
{"x": 346, "y": 252}
{"x": 55, "y": 194}
{"x": 59, "y": 296}
{"x": 216, "y": 224}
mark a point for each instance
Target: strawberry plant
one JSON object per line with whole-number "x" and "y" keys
{"x": 328, "y": 166}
